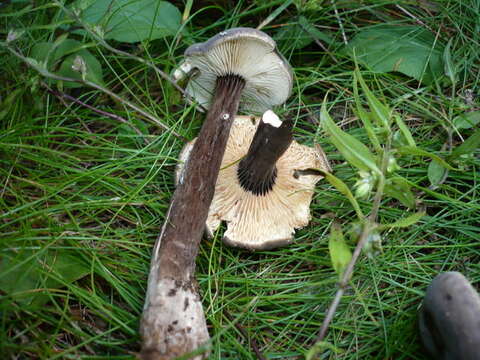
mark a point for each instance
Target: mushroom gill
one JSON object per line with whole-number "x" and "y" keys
{"x": 266, "y": 220}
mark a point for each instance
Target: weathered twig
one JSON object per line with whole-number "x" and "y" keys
{"x": 369, "y": 225}
{"x": 47, "y": 74}
{"x": 417, "y": 20}
{"x": 62, "y": 95}
{"x": 340, "y": 23}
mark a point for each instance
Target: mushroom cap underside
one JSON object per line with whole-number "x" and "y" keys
{"x": 245, "y": 52}
{"x": 261, "y": 221}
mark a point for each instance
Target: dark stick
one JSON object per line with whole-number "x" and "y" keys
{"x": 173, "y": 321}
{"x": 98, "y": 111}
{"x": 257, "y": 171}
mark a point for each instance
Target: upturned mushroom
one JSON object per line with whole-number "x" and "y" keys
{"x": 236, "y": 66}
{"x": 265, "y": 184}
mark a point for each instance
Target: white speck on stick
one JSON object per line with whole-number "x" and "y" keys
{"x": 270, "y": 118}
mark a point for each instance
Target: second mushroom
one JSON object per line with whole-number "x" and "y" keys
{"x": 265, "y": 184}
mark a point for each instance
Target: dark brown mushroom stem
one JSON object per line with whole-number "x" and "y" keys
{"x": 257, "y": 170}
{"x": 173, "y": 259}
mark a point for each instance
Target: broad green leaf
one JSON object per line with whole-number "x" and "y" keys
{"x": 408, "y": 49}
{"x": 404, "y": 130}
{"x": 380, "y": 112}
{"x": 132, "y": 20}
{"x": 403, "y": 222}
{"x": 343, "y": 188}
{"x": 59, "y": 59}
{"x": 356, "y": 153}
{"x": 467, "y": 120}
{"x": 449, "y": 66}
{"x": 469, "y": 146}
{"x": 340, "y": 253}
{"x": 93, "y": 67}
{"x": 398, "y": 188}
{"x": 27, "y": 274}
{"x": 410, "y": 150}
{"x": 436, "y": 172}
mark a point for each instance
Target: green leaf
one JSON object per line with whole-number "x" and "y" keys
{"x": 132, "y": 20}
{"x": 408, "y": 49}
{"x": 340, "y": 253}
{"x": 449, "y": 66}
{"x": 410, "y": 150}
{"x": 59, "y": 59}
{"x": 467, "y": 120}
{"x": 436, "y": 172}
{"x": 343, "y": 188}
{"x": 365, "y": 117}
{"x": 404, "y": 222}
{"x": 398, "y": 188}
{"x": 93, "y": 67}
{"x": 356, "y": 153}
{"x": 380, "y": 112}
{"x": 469, "y": 146}
{"x": 28, "y": 274}
{"x": 404, "y": 130}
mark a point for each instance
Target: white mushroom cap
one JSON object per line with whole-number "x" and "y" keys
{"x": 245, "y": 52}
{"x": 261, "y": 221}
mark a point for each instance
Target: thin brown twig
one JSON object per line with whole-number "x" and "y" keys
{"x": 148, "y": 63}
{"x": 340, "y": 23}
{"x": 45, "y": 73}
{"x": 370, "y": 224}
{"x": 62, "y": 95}
{"x": 64, "y": 103}
{"x": 417, "y": 20}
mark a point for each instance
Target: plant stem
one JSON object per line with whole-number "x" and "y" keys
{"x": 62, "y": 95}
{"x": 47, "y": 74}
{"x": 369, "y": 225}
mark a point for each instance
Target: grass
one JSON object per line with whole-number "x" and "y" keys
{"x": 89, "y": 189}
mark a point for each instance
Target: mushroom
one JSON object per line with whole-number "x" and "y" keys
{"x": 243, "y": 53}
{"x": 449, "y": 318}
{"x": 236, "y": 65}
{"x": 265, "y": 184}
